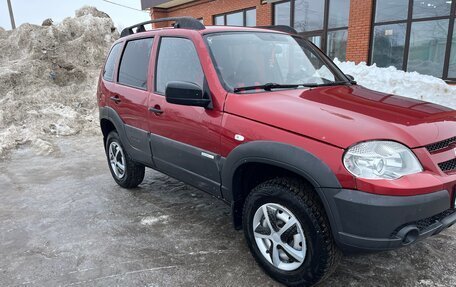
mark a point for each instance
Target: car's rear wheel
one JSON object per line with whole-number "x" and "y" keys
{"x": 126, "y": 172}
{"x": 288, "y": 232}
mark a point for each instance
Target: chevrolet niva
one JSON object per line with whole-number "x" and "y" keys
{"x": 312, "y": 164}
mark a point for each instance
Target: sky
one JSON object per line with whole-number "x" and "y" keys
{"x": 34, "y": 11}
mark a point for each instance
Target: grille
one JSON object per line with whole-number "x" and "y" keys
{"x": 425, "y": 223}
{"x": 441, "y": 145}
{"x": 448, "y": 165}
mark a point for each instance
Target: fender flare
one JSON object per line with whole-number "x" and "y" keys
{"x": 108, "y": 113}
{"x": 286, "y": 156}
{"x": 143, "y": 156}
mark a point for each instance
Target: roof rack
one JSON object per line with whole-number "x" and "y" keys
{"x": 280, "y": 28}
{"x": 180, "y": 22}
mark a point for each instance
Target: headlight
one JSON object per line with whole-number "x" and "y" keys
{"x": 381, "y": 160}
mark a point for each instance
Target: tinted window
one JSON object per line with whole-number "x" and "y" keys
{"x": 282, "y": 14}
{"x": 391, "y": 10}
{"x": 309, "y": 15}
{"x": 235, "y": 19}
{"x": 388, "y": 48}
{"x": 339, "y": 11}
{"x": 431, "y": 8}
{"x": 135, "y": 63}
{"x": 108, "y": 72}
{"x": 427, "y": 47}
{"x": 177, "y": 61}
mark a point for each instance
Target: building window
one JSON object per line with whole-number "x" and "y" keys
{"x": 324, "y": 22}
{"x": 245, "y": 17}
{"x": 415, "y": 35}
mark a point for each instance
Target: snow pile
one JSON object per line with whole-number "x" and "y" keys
{"x": 48, "y": 78}
{"x": 407, "y": 84}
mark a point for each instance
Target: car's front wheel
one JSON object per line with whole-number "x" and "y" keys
{"x": 288, "y": 233}
{"x": 126, "y": 172}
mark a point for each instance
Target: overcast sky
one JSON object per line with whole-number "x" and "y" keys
{"x": 28, "y": 11}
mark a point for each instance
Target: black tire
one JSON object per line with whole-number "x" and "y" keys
{"x": 133, "y": 173}
{"x": 322, "y": 255}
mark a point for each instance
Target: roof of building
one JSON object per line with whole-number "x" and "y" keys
{"x": 146, "y": 4}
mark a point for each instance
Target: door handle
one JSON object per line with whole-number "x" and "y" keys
{"x": 156, "y": 110}
{"x": 115, "y": 99}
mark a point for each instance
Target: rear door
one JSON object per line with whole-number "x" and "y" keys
{"x": 130, "y": 101}
{"x": 185, "y": 139}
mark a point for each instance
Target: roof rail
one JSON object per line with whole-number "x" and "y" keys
{"x": 280, "y": 28}
{"x": 180, "y": 22}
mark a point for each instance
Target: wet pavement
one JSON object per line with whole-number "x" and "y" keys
{"x": 64, "y": 222}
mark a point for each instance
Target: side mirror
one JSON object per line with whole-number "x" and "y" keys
{"x": 351, "y": 78}
{"x": 186, "y": 94}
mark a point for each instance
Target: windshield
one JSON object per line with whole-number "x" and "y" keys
{"x": 244, "y": 59}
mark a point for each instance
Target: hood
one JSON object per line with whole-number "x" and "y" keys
{"x": 345, "y": 115}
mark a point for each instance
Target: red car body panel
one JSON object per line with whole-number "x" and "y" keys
{"x": 324, "y": 121}
{"x": 345, "y": 115}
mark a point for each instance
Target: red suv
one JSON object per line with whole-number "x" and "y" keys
{"x": 312, "y": 164}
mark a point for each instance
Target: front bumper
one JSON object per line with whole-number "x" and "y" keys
{"x": 368, "y": 222}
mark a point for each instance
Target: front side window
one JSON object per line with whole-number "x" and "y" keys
{"x": 249, "y": 59}
{"x": 134, "y": 65}
{"x": 177, "y": 61}
{"x": 108, "y": 72}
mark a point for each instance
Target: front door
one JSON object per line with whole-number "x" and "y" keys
{"x": 185, "y": 139}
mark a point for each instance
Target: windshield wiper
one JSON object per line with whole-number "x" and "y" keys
{"x": 314, "y": 85}
{"x": 269, "y": 86}
{"x": 266, "y": 87}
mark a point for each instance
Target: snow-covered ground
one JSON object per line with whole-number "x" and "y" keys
{"x": 48, "y": 78}
{"x": 393, "y": 81}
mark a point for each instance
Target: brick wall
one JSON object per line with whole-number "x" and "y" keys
{"x": 359, "y": 30}
{"x": 206, "y": 9}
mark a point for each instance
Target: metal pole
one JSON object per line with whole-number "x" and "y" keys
{"x": 10, "y": 8}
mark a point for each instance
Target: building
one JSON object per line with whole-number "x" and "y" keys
{"x": 412, "y": 35}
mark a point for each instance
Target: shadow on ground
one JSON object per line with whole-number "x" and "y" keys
{"x": 65, "y": 222}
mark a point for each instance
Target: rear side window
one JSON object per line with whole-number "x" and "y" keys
{"x": 135, "y": 63}
{"x": 108, "y": 72}
{"x": 177, "y": 61}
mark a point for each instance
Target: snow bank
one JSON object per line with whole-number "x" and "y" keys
{"x": 407, "y": 84}
{"x": 48, "y": 79}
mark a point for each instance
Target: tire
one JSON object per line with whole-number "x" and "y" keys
{"x": 310, "y": 254}
{"x": 132, "y": 173}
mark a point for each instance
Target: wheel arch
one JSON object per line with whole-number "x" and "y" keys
{"x": 267, "y": 159}
{"x": 109, "y": 121}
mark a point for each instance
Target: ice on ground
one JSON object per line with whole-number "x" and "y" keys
{"x": 48, "y": 78}
{"x": 408, "y": 84}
